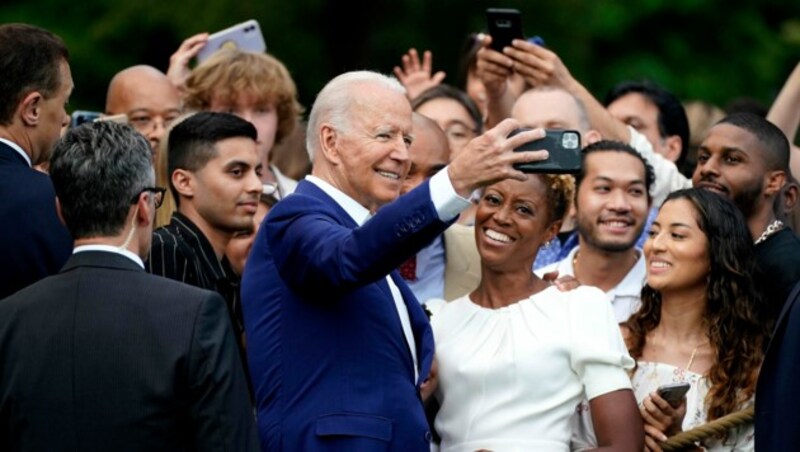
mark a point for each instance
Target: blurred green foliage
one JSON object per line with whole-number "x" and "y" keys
{"x": 713, "y": 50}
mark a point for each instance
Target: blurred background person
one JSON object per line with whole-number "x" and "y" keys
{"x": 449, "y": 267}
{"x": 256, "y": 87}
{"x": 148, "y": 99}
{"x": 655, "y": 113}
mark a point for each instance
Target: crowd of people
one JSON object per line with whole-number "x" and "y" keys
{"x": 205, "y": 268}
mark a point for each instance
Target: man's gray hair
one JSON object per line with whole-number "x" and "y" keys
{"x": 97, "y": 170}
{"x": 335, "y": 101}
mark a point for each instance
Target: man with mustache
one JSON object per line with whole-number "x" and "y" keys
{"x": 215, "y": 179}
{"x": 612, "y": 199}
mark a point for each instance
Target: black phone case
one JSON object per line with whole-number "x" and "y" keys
{"x": 560, "y": 160}
{"x": 505, "y": 25}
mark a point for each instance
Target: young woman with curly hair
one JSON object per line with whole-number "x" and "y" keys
{"x": 698, "y": 322}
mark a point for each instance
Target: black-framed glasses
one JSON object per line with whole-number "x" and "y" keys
{"x": 158, "y": 195}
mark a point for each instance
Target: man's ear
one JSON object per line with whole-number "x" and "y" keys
{"x": 591, "y": 137}
{"x": 183, "y": 181}
{"x": 58, "y": 211}
{"x": 143, "y": 212}
{"x": 673, "y": 144}
{"x": 774, "y": 182}
{"x": 30, "y": 108}
{"x": 328, "y": 139}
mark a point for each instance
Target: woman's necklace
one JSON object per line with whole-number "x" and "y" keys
{"x": 773, "y": 227}
{"x": 691, "y": 357}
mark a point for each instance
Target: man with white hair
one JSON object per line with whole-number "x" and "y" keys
{"x": 337, "y": 344}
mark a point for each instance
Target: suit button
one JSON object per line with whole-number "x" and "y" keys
{"x": 428, "y": 437}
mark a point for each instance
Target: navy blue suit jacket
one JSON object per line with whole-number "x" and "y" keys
{"x": 778, "y": 393}
{"x": 327, "y": 355}
{"x": 35, "y": 243}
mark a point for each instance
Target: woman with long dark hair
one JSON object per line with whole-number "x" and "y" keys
{"x": 698, "y": 322}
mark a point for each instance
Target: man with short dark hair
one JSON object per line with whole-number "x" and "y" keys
{"x": 36, "y": 83}
{"x": 655, "y": 113}
{"x": 612, "y": 198}
{"x": 104, "y": 356}
{"x": 214, "y": 178}
{"x": 746, "y": 158}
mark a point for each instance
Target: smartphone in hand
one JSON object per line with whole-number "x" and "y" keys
{"x": 505, "y": 25}
{"x": 673, "y": 393}
{"x": 245, "y": 36}
{"x": 564, "y": 147}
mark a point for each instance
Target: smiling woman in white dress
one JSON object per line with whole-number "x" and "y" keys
{"x": 516, "y": 356}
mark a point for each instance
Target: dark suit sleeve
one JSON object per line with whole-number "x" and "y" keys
{"x": 314, "y": 251}
{"x": 220, "y": 407}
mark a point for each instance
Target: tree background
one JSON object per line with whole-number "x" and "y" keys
{"x": 712, "y": 50}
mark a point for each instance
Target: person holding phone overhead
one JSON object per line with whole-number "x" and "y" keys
{"x": 698, "y": 322}
{"x": 516, "y": 355}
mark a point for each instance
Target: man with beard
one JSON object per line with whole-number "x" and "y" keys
{"x": 746, "y": 158}
{"x": 612, "y": 199}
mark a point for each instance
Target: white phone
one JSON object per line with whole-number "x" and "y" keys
{"x": 245, "y": 36}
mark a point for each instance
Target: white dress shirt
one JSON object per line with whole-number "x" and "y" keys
{"x": 625, "y": 297}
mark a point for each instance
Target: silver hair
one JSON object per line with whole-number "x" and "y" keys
{"x": 334, "y": 103}
{"x": 97, "y": 170}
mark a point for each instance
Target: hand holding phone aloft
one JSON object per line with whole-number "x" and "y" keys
{"x": 245, "y": 36}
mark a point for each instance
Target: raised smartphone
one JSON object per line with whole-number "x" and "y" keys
{"x": 505, "y": 25}
{"x": 245, "y": 36}
{"x": 564, "y": 147}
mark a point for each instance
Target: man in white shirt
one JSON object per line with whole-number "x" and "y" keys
{"x": 337, "y": 343}
{"x": 612, "y": 200}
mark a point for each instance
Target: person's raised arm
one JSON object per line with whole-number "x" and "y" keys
{"x": 494, "y": 70}
{"x": 417, "y": 76}
{"x": 785, "y": 113}
{"x": 543, "y": 67}
{"x": 179, "y": 70}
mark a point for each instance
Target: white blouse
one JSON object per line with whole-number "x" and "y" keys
{"x": 511, "y": 378}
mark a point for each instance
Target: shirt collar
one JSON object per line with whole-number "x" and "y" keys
{"x": 357, "y": 212}
{"x": 111, "y": 249}
{"x": 19, "y": 150}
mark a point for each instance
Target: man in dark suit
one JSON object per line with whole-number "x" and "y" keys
{"x": 104, "y": 356}
{"x": 337, "y": 343}
{"x": 36, "y": 83}
{"x": 777, "y": 393}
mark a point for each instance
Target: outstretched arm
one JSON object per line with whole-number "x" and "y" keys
{"x": 542, "y": 67}
{"x": 494, "y": 70}
{"x": 785, "y": 113}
